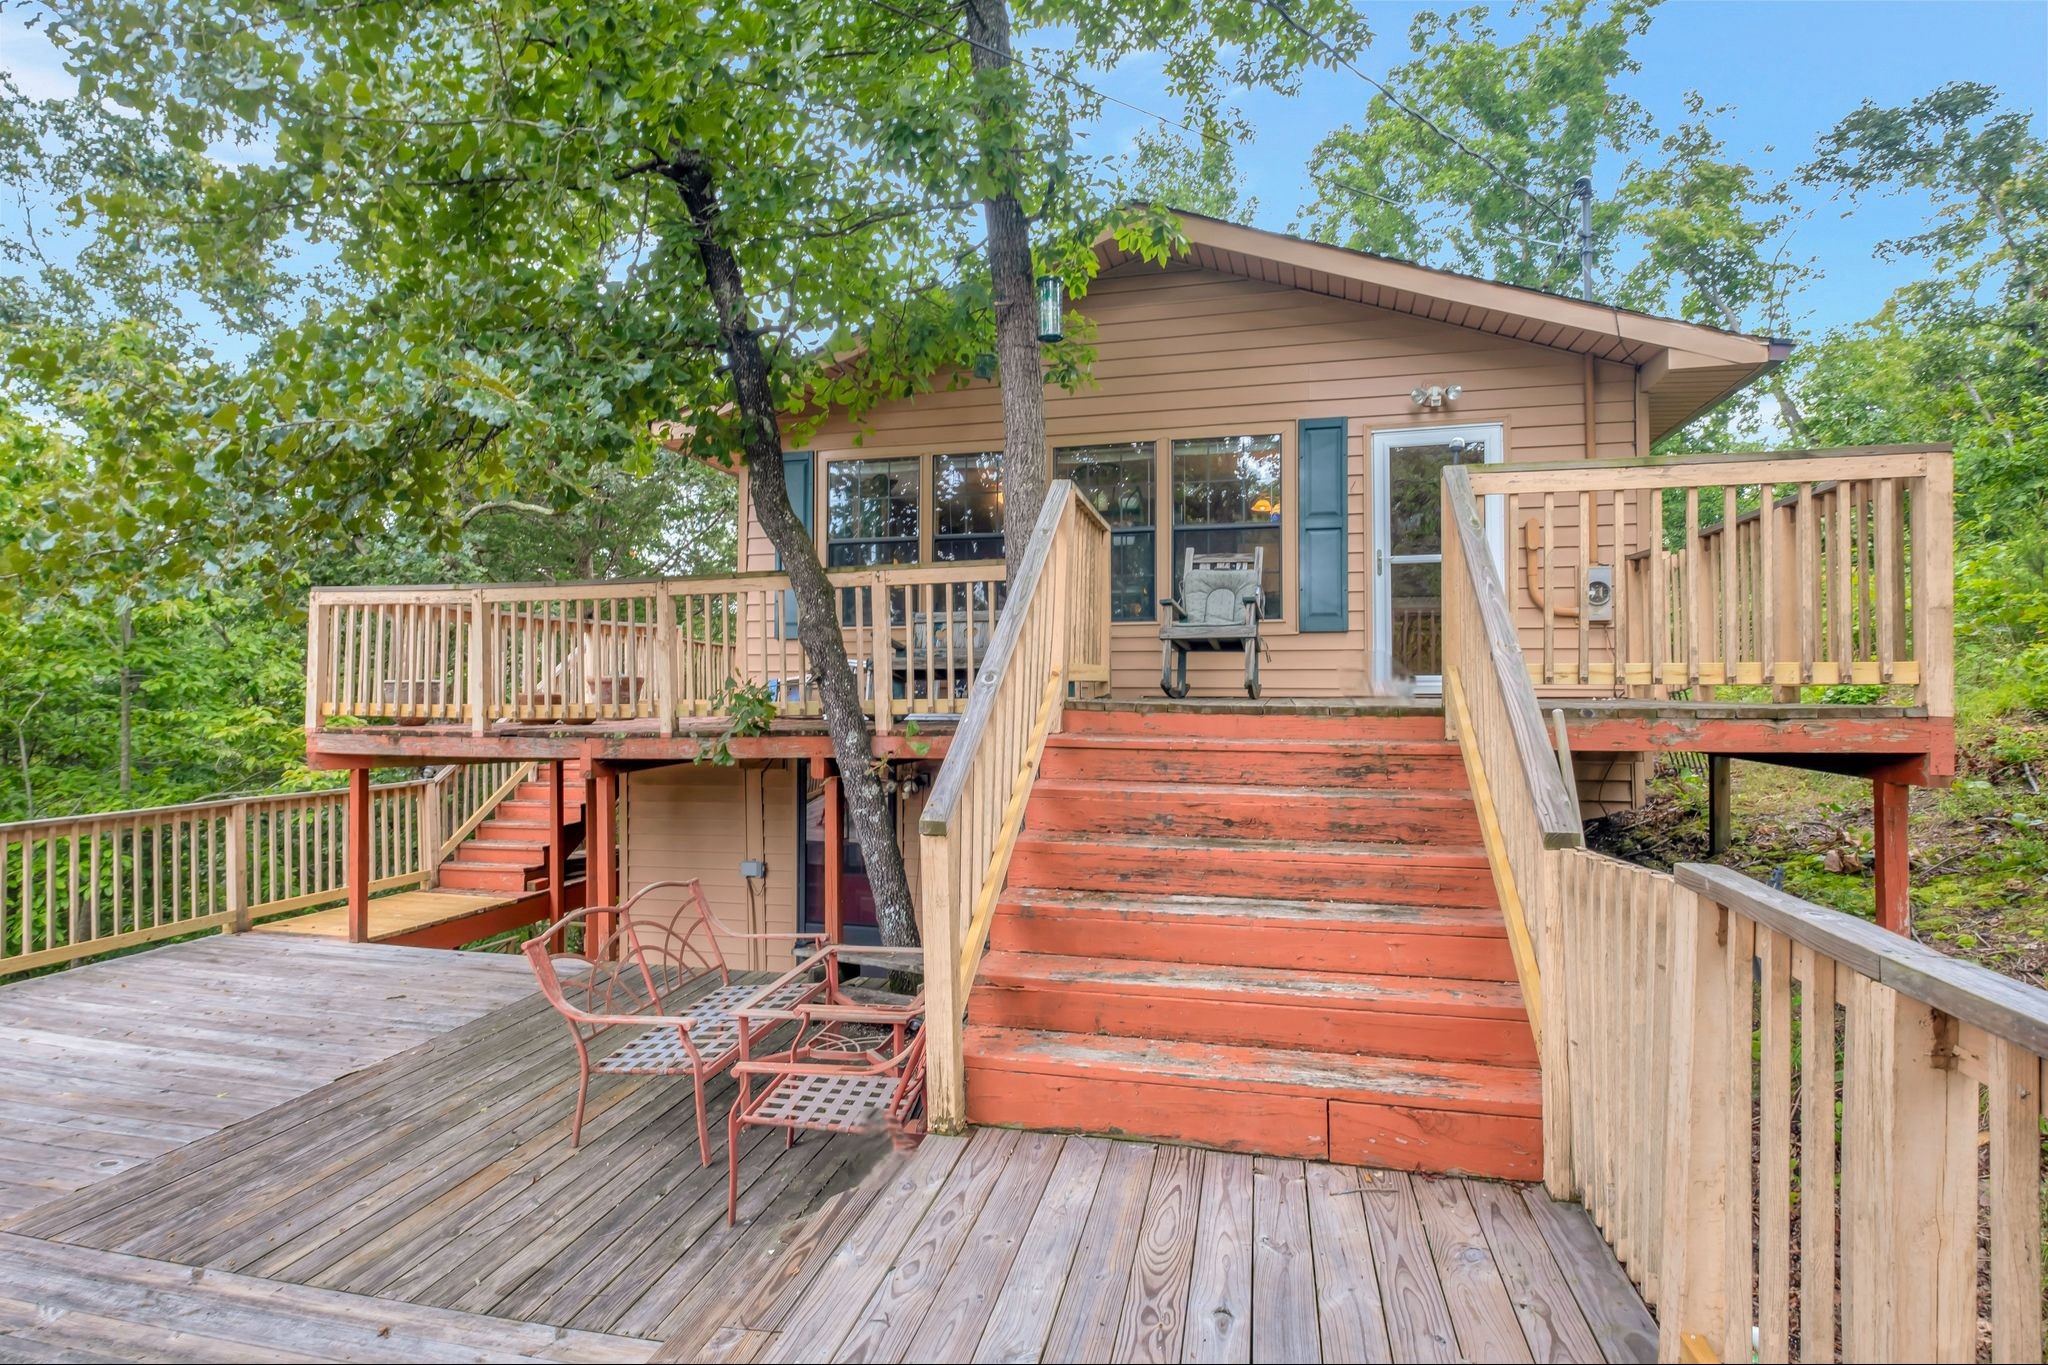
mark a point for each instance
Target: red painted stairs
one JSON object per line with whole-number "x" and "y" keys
{"x": 508, "y": 853}
{"x": 1268, "y": 932}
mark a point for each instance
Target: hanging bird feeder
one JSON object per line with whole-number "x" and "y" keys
{"x": 1052, "y": 306}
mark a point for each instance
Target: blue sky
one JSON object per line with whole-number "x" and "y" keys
{"x": 1789, "y": 68}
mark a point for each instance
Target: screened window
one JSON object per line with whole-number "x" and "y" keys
{"x": 1226, "y": 499}
{"x": 967, "y": 506}
{"x": 1116, "y": 480}
{"x": 871, "y": 512}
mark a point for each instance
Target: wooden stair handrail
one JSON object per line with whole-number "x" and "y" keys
{"x": 1466, "y": 551}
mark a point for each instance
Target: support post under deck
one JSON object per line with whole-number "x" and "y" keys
{"x": 1889, "y": 802}
{"x": 558, "y": 845}
{"x": 601, "y": 822}
{"x": 358, "y": 837}
{"x": 1720, "y": 804}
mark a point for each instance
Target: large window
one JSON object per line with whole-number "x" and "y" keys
{"x": 1116, "y": 480}
{"x": 871, "y": 510}
{"x": 967, "y": 506}
{"x": 1226, "y": 499}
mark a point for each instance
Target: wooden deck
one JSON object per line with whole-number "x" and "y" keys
{"x": 117, "y": 1062}
{"x": 428, "y": 1207}
{"x": 391, "y": 917}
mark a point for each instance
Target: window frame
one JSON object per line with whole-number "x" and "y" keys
{"x": 1285, "y": 614}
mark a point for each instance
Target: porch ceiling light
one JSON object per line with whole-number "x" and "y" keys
{"x": 1052, "y": 306}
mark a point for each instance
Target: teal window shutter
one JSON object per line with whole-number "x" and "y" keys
{"x": 799, "y": 472}
{"x": 1325, "y": 533}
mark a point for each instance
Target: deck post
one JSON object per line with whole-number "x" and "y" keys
{"x": 1889, "y": 801}
{"x": 835, "y": 854}
{"x": 558, "y": 845}
{"x": 430, "y": 833}
{"x": 358, "y": 855}
{"x": 235, "y": 869}
{"x": 601, "y": 821}
{"x": 1720, "y": 804}
{"x": 1694, "y": 1270}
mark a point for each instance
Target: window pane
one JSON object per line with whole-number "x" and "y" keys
{"x": 1416, "y": 616}
{"x": 967, "y": 506}
{"x": 1116, "y": 480}
{"x": 1226, "y": 499}
{"x": 871, "y": 512}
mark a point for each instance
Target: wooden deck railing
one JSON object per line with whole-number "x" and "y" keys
{"x": 77, "y": 886}
{"x": 1054, "y": 634}
{"x": 1846, "y": 576}
{"x": 1851, "y": 1103}
{"x": 1799, "y": 1132}
{"x": 649, "y": 649}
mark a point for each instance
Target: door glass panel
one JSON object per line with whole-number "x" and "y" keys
{"x": 1415, "y": 493}
{"x": 1415, "y": 614}
{"x": 1414, "y": 573}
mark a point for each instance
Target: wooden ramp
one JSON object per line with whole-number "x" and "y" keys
{"x": 401, "y": 916}
{"x": 116, "y": 1062}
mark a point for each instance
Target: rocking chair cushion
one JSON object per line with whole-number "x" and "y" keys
{"x": 1217, "y": 597}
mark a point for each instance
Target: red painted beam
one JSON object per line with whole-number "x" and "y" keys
{"x": 391, "y": 746}
{"x": 530, "y": 909}
{"x": 1932, "y": 740}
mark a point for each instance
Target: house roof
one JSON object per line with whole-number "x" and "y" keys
{"x": 1686, "y": 368}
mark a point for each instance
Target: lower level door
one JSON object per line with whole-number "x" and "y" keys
{"x": 1408, "y": 552}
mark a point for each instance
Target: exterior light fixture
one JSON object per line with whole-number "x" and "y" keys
{"x": 1435, "y": 396}
{"x": 1052, "y": 305}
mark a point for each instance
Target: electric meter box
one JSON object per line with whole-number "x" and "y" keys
{"x": 1600, "y": 592}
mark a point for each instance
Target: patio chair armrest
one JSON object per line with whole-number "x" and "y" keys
{"x": 1172, "y": 604}
{"x": 813, "y": 1067}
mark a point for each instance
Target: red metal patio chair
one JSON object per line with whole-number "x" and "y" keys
{"x": 649, "y": 977}
{"x": 853, "y": 1066}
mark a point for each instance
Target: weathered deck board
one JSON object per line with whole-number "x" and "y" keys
{"x": 105, "y": 1302}
{"x": 113, "y": 1063}
{"x": 434, "y": 1193}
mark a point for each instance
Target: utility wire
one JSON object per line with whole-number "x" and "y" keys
{"x": 1449, "y": 137}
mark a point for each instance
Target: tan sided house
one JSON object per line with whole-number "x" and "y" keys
{"x": 1306, "y": 907}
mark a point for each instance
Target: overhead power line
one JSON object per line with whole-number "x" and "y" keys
{"x": 1450, "y": 138}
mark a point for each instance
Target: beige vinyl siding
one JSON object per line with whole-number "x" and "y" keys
{"x": 1185, "y": 352}
{"x": 700, "y": 820}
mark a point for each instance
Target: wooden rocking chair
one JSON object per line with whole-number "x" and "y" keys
{"x": 1219, "y": 606}
{"x": 662, "y": 979}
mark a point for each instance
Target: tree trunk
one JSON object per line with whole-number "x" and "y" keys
{"x": 1019, "y": 370}
{"x": 817, "y": 612}
{"x": 127, "y": 706}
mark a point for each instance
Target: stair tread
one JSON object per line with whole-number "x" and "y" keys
{"x": 1089, "y": 739}
{"x": 1203, "y": 981}
{"x": 1478, "y": 1087}
{"x": 1362, "y": 915}
{"x": 485, "y": 864}
{"x": 1454, "y": 854}
{"x": 1275, "y": 790}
